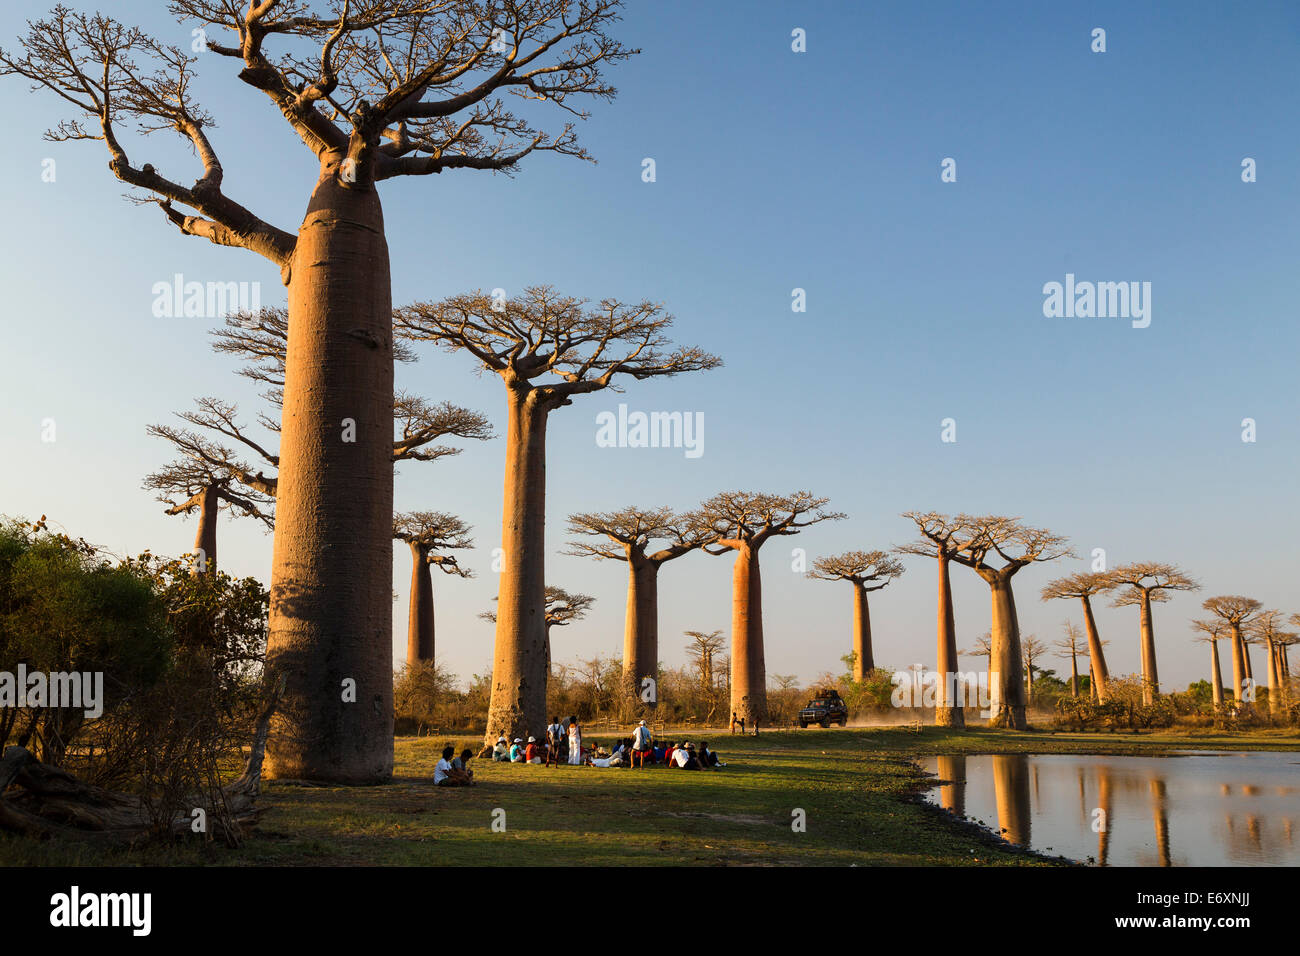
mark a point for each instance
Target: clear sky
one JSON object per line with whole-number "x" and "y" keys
{"x": 775, "y": 170}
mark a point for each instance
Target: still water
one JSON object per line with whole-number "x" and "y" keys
{"x": 1198, "y": 809}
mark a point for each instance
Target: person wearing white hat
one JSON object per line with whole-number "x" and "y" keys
{"x": 517, "y": 751}
{"x": 642, "y": 742}
{"x": 533, "y": 752}
{"x": 501, "y": 752}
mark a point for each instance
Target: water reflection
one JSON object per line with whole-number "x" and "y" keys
{"x": 1194, "y": 810}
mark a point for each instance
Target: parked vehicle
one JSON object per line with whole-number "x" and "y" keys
{"x": 826, "y": 708}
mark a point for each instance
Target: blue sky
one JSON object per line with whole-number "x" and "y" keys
{"x": 775, "y": 170}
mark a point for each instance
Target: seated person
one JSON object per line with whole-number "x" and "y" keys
{"x": 534, "y": 752}
{"x": 442, "y": 771}
{"x": 669, "y": 749}
{"x": 685, "y": 758}
{"x": 517, "y": 751}
{"x": 460, "y": 768}
{"x": 501, "y": 752}
{"x": 708, "y": 759}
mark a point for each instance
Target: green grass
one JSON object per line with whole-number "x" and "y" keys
{"x": 856, "y": 786}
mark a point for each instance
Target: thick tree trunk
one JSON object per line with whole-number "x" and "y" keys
{"x": 864, "y": 661}
{"x": 331, "y": 632}
{"x": 1245, "y": 656}
{"x": 748, "y": 670}
{"x": 1098, "y": 674}
{"x": 1238, "y": 664}
{"x": 1216, "y": 675}
{"x": 1006, "y": 667}
{"x": 1150, "y": 679}
{"x": 948, "y": 709}
{"x": 641, "y": 627}
{"x": 520, "y": 660}
{"x": 419, "y": 623}
{"x": 1074, "y": 673}
{"x": 205, "y": 541}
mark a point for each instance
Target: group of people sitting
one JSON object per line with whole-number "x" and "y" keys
{"x": 453, "y": 771}
{"x": 563, "y": 744}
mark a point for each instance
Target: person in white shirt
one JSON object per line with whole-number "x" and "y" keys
{"x": 575, "y": 742}
{"x": 442, "y": 770}
{"x": 642, "y": 742}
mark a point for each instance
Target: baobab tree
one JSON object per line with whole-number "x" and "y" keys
{"x": 1266, "y": 629}
{"x": 867, "y": 571}
{"x": 1212, "y": 629}
{"x": 1017, "y": 546}
{"x": 429, "y": 534}
{"x": 1083, "y": 585}
{"x": 398, "y": 88}
{"x": 942, "y": 537}
{"x": 1033, "y": 650}
{"x": 1236, "y": 611}
{"x": 1146, "y": 582}
{"x": 547, "y": 349}
{"x": 701, "y": 652}
{"x": 1069, "y": 647}
{"x": 560, "y": 609}
{"x": 743, "y": 521}
{"x": 630, "y": 533}
{"x": 210, "y": 488}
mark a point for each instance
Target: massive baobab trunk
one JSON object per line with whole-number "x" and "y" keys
{"x": 205, "y": 541}
{"x": 419, "y": 624}
{"x": 1006, "y": 669}
{"x": 1098, "y": 673}
{"x": 1150, "y": 679}
{"x": 331, "y": 614}
{"x": 641, "y": 627}
{"x": 748, "y": 670}
{"x": 520, "y": 659}
{"x": 947, "y": 712}
{"x": 864, "y": 661}
{"x": 1274, "y": 679}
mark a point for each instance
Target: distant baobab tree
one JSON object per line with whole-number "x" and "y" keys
{"x": 631, "y": 533}
{"x": 867, "y": 571}
{"x": 743, "y": 521}
{"x": 1266, "y": 629}
{"x": 1069, "y": 647}
{"x": 1238, "y": 612}
{"x": 1212, "y": 629}
{"x": 1033, "y": 650}
{"x": 1017, "y": 546}
{"x": 398, "y": 88}
{"x": 1083, "y": 585}
{"x": 211, "y": 488}
{"x": 701, "y": 651}
{"x": 1146, "y": 582}
{"x": 560, "y": 609}
{"x": 429, "y": 534}
{"x": 547, "y": 350}
{"x": 942, "y": 537}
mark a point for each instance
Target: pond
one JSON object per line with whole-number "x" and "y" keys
{"x": 1192, "y": 809}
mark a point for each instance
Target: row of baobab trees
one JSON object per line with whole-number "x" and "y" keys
{"x": 376, "y": 90}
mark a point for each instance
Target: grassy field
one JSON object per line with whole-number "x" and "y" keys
{"x": 856, "y": 787}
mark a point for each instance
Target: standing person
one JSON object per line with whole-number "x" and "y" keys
{"x": 575, "y": 742}
{"x": 733, "y": 721}
{"x": 642, "y": 743}
{"x": 554, "y": 739}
